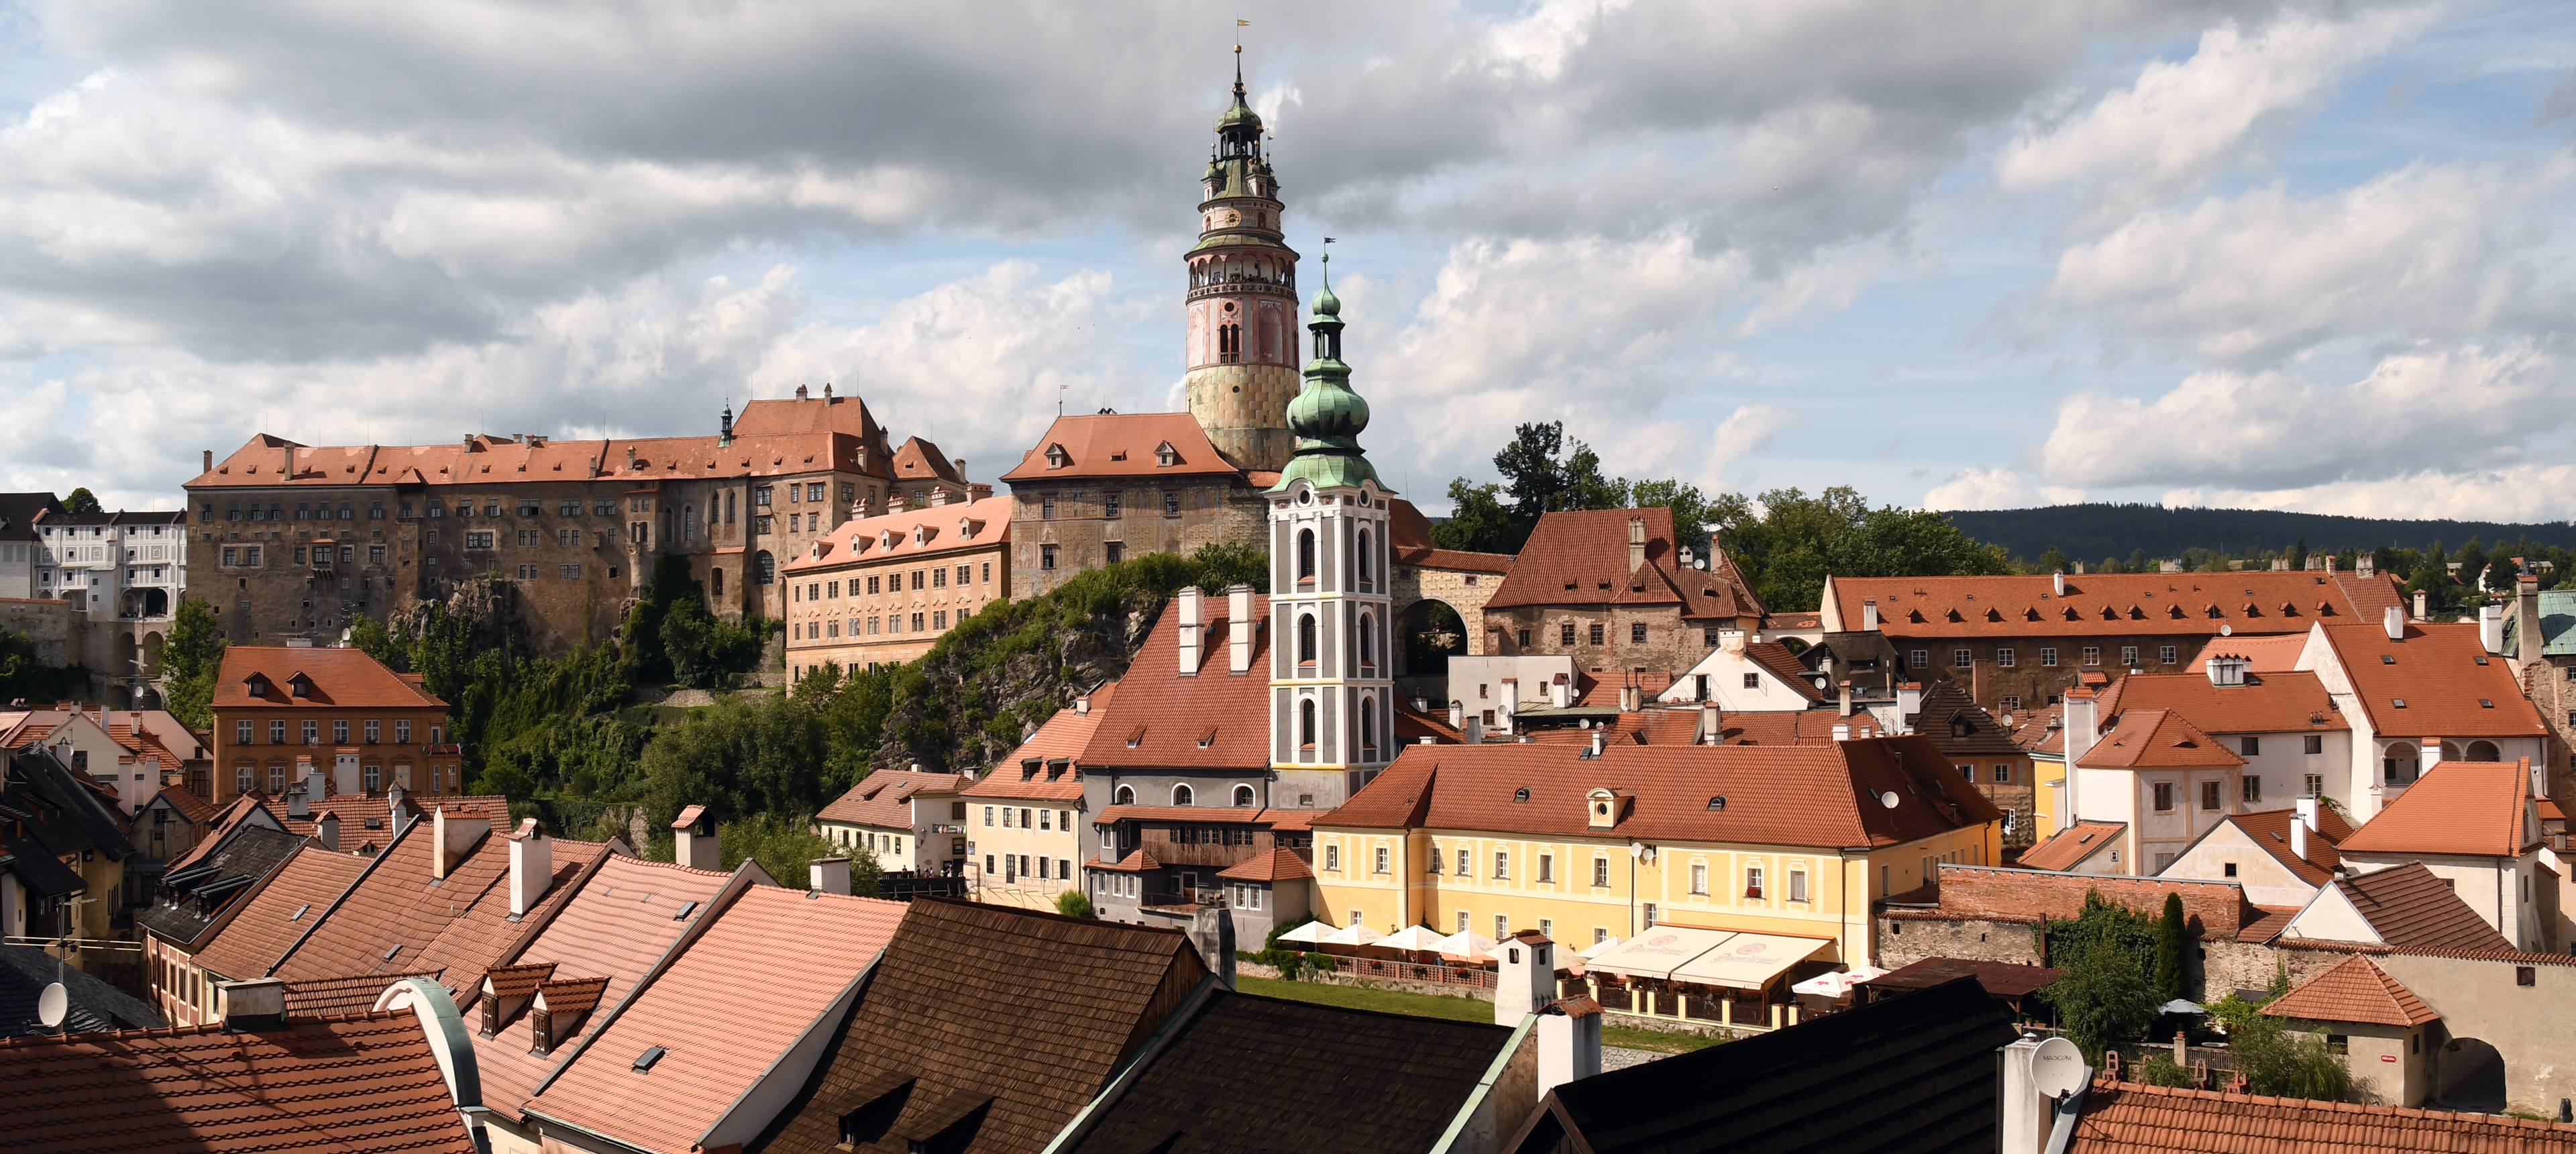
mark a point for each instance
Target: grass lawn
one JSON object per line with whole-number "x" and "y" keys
{"x": 1458, "y": 1009}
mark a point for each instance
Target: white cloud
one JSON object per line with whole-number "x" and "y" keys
{"x": 1746, "y": 431}
{"x": 1978, "y": 487}
{"x": 2182, "y": 122}
{"x": 2516, "y": 493}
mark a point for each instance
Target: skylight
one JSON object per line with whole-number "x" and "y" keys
{"x": 644, "y": 1061}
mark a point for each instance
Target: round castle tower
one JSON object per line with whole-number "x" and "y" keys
{"x": 1242, "y": 299}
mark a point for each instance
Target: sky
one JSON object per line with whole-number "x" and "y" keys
{"x": 1974, "y": 254}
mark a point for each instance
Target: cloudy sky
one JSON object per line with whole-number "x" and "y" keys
{"x": 1967, "y": 254}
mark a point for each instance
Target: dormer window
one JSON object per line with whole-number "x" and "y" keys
{"x": 1057, "y": 458}
{"x": 1165, "y": 456}
{"x": 256, "y": 684}
{"x": 299, "y": 686}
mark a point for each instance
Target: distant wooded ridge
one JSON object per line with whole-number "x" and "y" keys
{"x": 2107, "y": 530}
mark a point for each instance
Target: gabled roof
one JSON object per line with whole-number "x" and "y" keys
{"x": 231, "y": 877}
{"x": 18, "y": 511}
{"x": 94, "y": 1005}
{"x": 341, "y": 679}
{"x": 357, "y": 1083}
{"x": 281, "y": 912}
{"x": 1215, "y": 720}
{"x": 2157, "y": 739}
{"x": 2408, "y": 908}
{"x": 884, "y": 798}
{"x": 1958, "y": 725}
{"x": 1580, "y": 557}
{"x": 1120, "y": 445}
{"x": 943, "y": 530}
{"x": 736, "y": 999}
{"x": 1821, "y": 795}
{"x": 919, "y": 460}
{"x": 186, "y": 802}
{"x": 1395, "y": 1081}
{"x": 1279, "y": 865}
{"x": 2557, "y": 626}
{"x": 927, "y": 1044}
{"x": 2134, "y": 1118}
{"x": 2069, "y": 847}
{"x": 2353, "y": 990}
{"x": 1776, "y": 659}
{"x": 2270, "y": 830}
{"x": 2183, "y": 605}
{"x": 2292, "y": 702}
{"x": 2442, "y": 672}
{"x": 244, "y": 809}
{"x": 2480, "y": 808}
{"x": 1913, "y": 1073}
{"x": 1044, "y": 768}
{"x": 68, "y": 812}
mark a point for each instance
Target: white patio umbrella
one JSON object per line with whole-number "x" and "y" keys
{"x": 1410, "y": 938}
{"x": 1310, "y": 933}
{"x": 1465, "y": 944}
{"x": 1837, "y": 985}
{"x": 1599, "y": 948}
{"x": 1354, "y": 934}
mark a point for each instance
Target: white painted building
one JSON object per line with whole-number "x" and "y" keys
{"x": 123, "y": 574}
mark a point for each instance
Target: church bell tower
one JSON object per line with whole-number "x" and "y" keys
{"x": 1242, "y": 299}
{"x": 1332, "y": 679}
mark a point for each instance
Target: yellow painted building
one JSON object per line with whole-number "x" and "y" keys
{"x": 1787, "y": 840}
{"x": 880, "y": 590}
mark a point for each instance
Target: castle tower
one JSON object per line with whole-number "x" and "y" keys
{"x": 1332, "y": 678}
{"x": 1243, "y": 299}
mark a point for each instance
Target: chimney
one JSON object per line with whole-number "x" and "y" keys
{"x": 253, "y": 1005}
{"x": 828, "y": 875}
{"x": 455, "y": 836}
{"x": 2331, "y": 561}
{"x": 1630, "y": 697}
{"x": 1842, "y": 731}
{"x": 1731, "y": 641}
{"x": 1600, "y": 738}
{"x": 2082, "y": 726}
{"x": 393, "y": 803}
{"x": 1525, "y": 982}
{"x": 299, "y": 802}
{"x": 344, "y": 773}
{"x": 1511, "y": 702}
{"x": 1569, "y": 1043}
{"x": 693, "y": 839}
{"x": 2060, "y": 579}
{"x": 2430, "y": 756}
{"x": 1082, "y": 706}
{"x": 1193, "y": 621}
{"x": 210, "y": 461}
{"x": 2419, "y": 604}
{"x": 1561, "y": 691}
{"x": 2491, "y": 627}
{"x": 2026, "y": 1112}
{"x": 1238, "y": 629}
{"x": 1846, "y": 698}
{"x": 800, "y": 393}
{"x": 2393, "y": 622}
{"x": 2301, "y": 825}
{"x": 310, "y": 776}
{"x": 532, "y": 867}
{"x": 1869, "y": 617}
{"x": 1212, "y": 932}
{"x": 290, "y": 462}
{"x": 1473, "y": 732}
{"x": 1712, "y": 726}
{"x": 2365, "y": 565}
{"x": 1636, "y": 543}
{"x": 327, "y": 831}
{"x": 1909, "y": 697}
{"x": 1457, "y": 714}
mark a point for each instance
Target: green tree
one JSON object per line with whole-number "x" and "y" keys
{"x": 2112, "y": 565}
{"x": 372, "y": 637}
{"x": 1691, "y": 510}
{"x": 2102, "y": 995}
{"x": 2171, "y": 972}
{"x": 2299, "y": 553}
{"x": 2139, "y": 562}
{"x": 738, "y": 759}
{"x": 2053, "y": 560}
{"x": 1478, "y": 522}
{"x": 1795, "y": 541}
{"x": 82, "y": 501}
{"x": 1073, "y": 904}
{"x": 190, "y": 658}
{"x": 1546, "y": 472}
{"x": 24, "y": 677}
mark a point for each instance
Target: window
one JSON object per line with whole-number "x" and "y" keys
{"x": 2249, "y": 745}
{"x": 2129, "y": 656}
{"x": 1502, "y": 927}
{"x": 2525, "y": 976}
{"x": 1306, "y": 639}
{"x": 573, "y": 573}
{"x": 1502, "y": 865}
{"x": 2164, "y": 797}
{"x": 2003, "y": 773}
{"x": 2209, "y": 796}
{"x": 241, "y": 733}
{"x": 312, "y": 733}
{"x": 1601, "y": 871}
{"x": 1432, "y": 865}
{"x": 2313, "y": 743}
{"x": 2048, "y": 656}
{"x": 939, "y": 576}
{"x": 1046, "y": 507}
{"x": 375, "y": 778}
{"x": 1181, "y": 795}
{"x": 277, "y": 733}
{"x": 1463, "y": 868}
{"x": 1753, "y": 882}
{"x": 1649, "y": 909}
{"x": 372, "y": 731}
{"x": 1381, "y": 859}
{"x": 2253, "y": 789}
{"x": 2316, "y": 785}
{"x": 1333, "y": 858}
{"x": 478, "y": 540}
{"x": 2092, "y": 655}
{"x": 1797, "y": 885}
{"x": 2011, "y": 702}
{"x": 1699, "y": 879}
{"x": 1596, "y": 633}
{"x": 1962, "y": 658}
{"x": 1046, "y": 558}
{"x": 1547, "y": 867}
{"x": 2165, "y": 654}
{"x": 241, "y": 780}
{"x": 1566, "y": 632}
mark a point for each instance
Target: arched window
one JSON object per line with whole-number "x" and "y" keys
{"x": 1306, "y": 724}
{"x": 1243, "y": 797}
{"x": 719, "y": 576}
{"x": 1181, "y": 795}
{"x": 1366, "y": 575}
{"x": 766, "y": 567}
{"x": 1305, "y": 554}
{"x": 1126, "y": 795}
{"x": 1368, "y": 640}
{"x": 1305, "y": 639}
{"x": 1368, "y": 728}
{"x": 688, "y": 522}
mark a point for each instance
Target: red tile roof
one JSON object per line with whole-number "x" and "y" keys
{"x": 918, "y": 460}
{"x": 2155, "y": 739}
{"x": 2480, "y": 808}
{"x": 1228, "y": 815}
{"x": 1580, "y": 557}
{"x": 2268, "y": 703}
{"x": 720, "y": 1036}
{"x": 2270, "y": 829}
{"x": 1828, "y": 795}
{"x": 1061, "y": 738}
{"x": 1120, "y": 445}
{"x": 341, "y": 995}
{"x": 356, "y": 1083}
{"x": 884, "y": 798}
{"x": 2354, "y": 990}
{"x": 1412, "y": 726}
{"x": 1277, "y": 865}
{"x": 188, "y": 804}
{"x": 1215, "y": 720}
{"x": 2071, "y": 845}
{"x": 2437, "y": 672}
{"x": 942, "y": 529}
{"x": 1783, "y": 664}
{"x": 2266, "y": 653}
{"x": 1996, "y": 893}
{"x": 2105, "y": 604}
{"x": 281, "y": 912}
{"x": 342, "y": 679}
{"x": 1136, "y": 861}
{"x": 2133, "y": 1118}
{"x": 2411, "y": 909}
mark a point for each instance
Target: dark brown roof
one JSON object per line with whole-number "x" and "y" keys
{"x": 1580, "y": 557}
{"x": 2410, "y": 908}
{"x": 2002, "y": 979}
{"x": 2133, "y": 1118}
{"x": 974, "y": 1004}
{"x": 1959, "y": 726}
{"x": 1369, "y": 1081}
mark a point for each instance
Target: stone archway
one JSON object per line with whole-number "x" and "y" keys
{"x": 152, "y": 654}
{"x": 1427, "y": 634}
{"x": 2469, "y": 1074}
{"x": 2482, "y": 751}
{"x": 127, "y": 660}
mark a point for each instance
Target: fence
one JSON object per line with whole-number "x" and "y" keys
{"x": 1429, "y": 972}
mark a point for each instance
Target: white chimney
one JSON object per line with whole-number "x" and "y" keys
{"x": 2082, "y": 725}
{"x": 1869, "y": 616}
{"x": 2419, "y": 605}
{"x": 1909, "y": 697}
{"x": 259, "y": 1004}
{"x": 693, "y": 839}
{"x": 327, "y": 831}
{"x": 2027, "y": 1113}
{"x": 829, "y": 875}
{"x": 299, "y": 800}
{"x": 344, "y": 773}
{"x": 1238, "y": 629}
{"x": 2300, "y": 825}
{"x": 1628, "y": 698}
{"x": 532, "y": 867}
{"x": 1569, "y": 1043}
{"x": 1561, "y": 691}
{"x": 454, "y": 836}
{"x": 1712, "y": 726}
{"x": 2491, "y": 627}
{"x": 1731, "y": 641}
{"x": 1082, "y": 706}
{"x": 1511, "y": 703}
{"x": 2393, "y": 622}
{"x": 2432, "y": 755}
{"x": 1525, "y": 981}
{"x": 1193, "y": 624}
{"x": 1842, "y": 731}
{"x": 1599, "y": 739}
{"x": 1847, "y": 699}
{"x": 2060, "y": 580}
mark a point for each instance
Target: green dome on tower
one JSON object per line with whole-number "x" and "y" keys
{"x": 1327, "y": 416}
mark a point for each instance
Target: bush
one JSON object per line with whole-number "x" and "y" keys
{"x": 2279, "y": 1063}
{"x": 1074, "y": 904}
{"x": 2161, "y": 1070}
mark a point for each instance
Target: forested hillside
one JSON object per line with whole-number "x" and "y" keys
{"x": 2100, "y": 530}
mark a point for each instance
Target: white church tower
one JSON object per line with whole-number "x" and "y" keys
{"x": 1332, "y": 681}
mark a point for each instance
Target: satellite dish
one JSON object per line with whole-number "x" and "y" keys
{"x": 53, "y": 1005}
{"x": 2058, "y": 1067}
{"x": 1888, "y": 799}
{"x": 2227, "y": 631}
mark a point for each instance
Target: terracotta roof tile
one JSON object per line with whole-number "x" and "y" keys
{"x": 2105, "y": 604}
{"x": 1136, "y": 861}
{"x": 1214, "y": 720}
{"x": 2265, "y": 653}
{"x": 2155, "y": 739}
{"x": 188, "y": 803}
{"x": 2133, "y": 1118}
{"x": 2268, "y": 703}
{"x": 280, "y": 913}
{"x": 365, "y": 1083}
{"x": 2270, "y": 829}
{"x": 1062, "y": 738}
{"x": 942, "y": 529}
{"x": 2458, "y": 807}
{"x": 2073, "y": 844}
{"x": 2412, "y": 908}
{"x": 1119, "y": 445}
{"x": 342, "y": 679}
{"x": 917, "y": 459}
{"x": 1783, "y": 664}
{"x": 2354, "y": 990}
{"x": 1826, "y": 795}
{"x": 718, "y": 1034}
{"x": 340, "y": 995}
{"x": 2437, "y": 672}
{"x": 1276, "y": 865}
{"x": 1081, "y": 995}
{"x": 1580, "y": 557}
{"x": 884, "y": 798}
